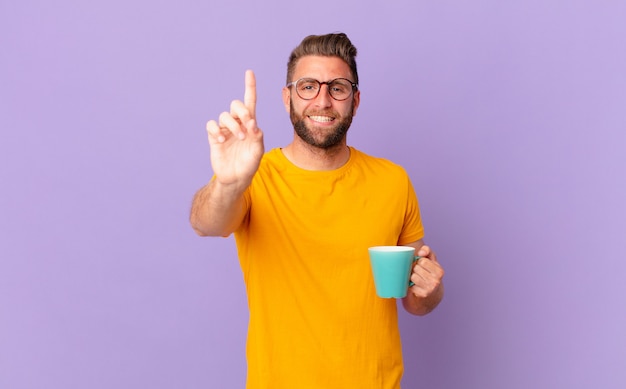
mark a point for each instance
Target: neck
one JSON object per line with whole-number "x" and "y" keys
{"x": 308, "y": 157}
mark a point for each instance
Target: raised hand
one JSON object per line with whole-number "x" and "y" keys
{"x": 236, "y": 142}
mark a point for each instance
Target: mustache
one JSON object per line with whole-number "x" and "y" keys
{"x": 329, "y": 113}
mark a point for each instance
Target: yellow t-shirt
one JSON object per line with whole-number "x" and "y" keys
{"x": 315, "y": 319}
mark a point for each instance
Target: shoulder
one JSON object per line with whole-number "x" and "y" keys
{"x": 272, "y": 155}
{"x": 371, "y": 162}
{"x": 272, "y": 160}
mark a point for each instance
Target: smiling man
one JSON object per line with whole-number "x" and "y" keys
{"x": 303, "y": 217}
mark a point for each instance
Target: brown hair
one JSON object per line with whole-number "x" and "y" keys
{"x": 329, "y": 45}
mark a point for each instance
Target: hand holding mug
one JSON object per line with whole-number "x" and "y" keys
{"x": 427, "y": 274}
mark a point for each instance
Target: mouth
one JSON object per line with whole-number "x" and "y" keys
{"x": 321, "y": 119}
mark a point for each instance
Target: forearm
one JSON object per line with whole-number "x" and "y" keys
{"x": 217, "y": 210}
{"x": 423, "y": 305}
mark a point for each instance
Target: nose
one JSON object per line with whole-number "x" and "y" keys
{"x": 323, "y": 98}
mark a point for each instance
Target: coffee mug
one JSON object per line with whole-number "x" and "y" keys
{"x": 392, "y": 267}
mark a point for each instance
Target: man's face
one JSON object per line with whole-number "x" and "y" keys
{"x": 323, "y": 121}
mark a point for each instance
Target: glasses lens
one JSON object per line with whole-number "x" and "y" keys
{"x": 340, "y": 89}
{"x": 307, "y": 88}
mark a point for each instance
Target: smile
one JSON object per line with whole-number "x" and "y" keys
{"x": 322, "y": 119}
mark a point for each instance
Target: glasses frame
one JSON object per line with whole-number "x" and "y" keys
{"x": 354, "y": 85}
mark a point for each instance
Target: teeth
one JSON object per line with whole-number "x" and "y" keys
{"x": 321, "y": 118}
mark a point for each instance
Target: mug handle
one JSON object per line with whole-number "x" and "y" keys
{"x": 415, "y": 260}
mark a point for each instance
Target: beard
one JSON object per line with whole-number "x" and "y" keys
{"x": 332, "y": 137}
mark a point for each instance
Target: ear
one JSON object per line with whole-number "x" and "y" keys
{"x": 286, "y": 98}
{"x": 357, "y": 101}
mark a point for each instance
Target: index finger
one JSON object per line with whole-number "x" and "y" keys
{"x": 249, "y": 97}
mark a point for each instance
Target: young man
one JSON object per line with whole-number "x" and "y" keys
{"x": 303, "y": 217}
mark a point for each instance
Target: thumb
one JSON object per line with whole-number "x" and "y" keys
{"x": 424, "y": 251}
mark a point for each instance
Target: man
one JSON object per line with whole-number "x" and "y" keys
{"x": 303, "y": 217}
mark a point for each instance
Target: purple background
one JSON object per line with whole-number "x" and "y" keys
{"x": 510, "y": 118}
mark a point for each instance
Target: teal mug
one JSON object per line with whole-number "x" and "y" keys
{"x": 392, "y": 267}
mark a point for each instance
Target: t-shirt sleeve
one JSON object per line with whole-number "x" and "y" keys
{"x": 412, "y": 229}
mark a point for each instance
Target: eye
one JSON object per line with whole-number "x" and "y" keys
{"x": 340, "y": 87}
{"x": 308, "y": 85}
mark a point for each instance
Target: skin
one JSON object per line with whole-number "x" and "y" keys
{"x": 236, "y": 145}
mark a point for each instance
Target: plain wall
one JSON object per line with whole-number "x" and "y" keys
{"x": 510, "y": 118}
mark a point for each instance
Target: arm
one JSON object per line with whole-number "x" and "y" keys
{"x": 236, "y": 145}
{"x": 427, "y": 276}
{"x": 217, "y": 210}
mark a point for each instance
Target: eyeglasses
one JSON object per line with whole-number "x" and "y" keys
{"x": 339, "y": 89}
